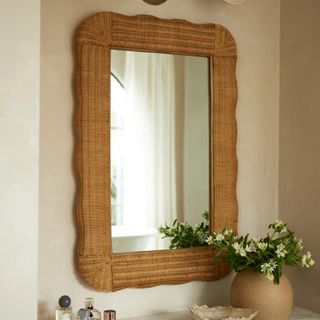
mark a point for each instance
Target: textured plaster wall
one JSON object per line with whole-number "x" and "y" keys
{"x": 19, "y": 156}
{"x": 255, "y": 26}
{"x": 299, "y": 179}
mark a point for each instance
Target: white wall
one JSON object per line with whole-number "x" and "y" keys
{"x": 19, "y": 150}
{"x": 299, "y": 183}
{"x": 196, "y": 139}
{"x": 255, "y": 25}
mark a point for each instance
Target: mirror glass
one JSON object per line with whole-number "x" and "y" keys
{"x": 159, "y": 145}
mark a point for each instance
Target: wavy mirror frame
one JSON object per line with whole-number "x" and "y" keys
{"x": 97, "y": 35}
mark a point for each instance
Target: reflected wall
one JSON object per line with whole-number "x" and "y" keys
{"x": 159, "y": 145}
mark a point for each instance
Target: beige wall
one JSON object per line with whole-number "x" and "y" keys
{"x": 255, "y": 25}
{"x": 299, "y": 183}
{"x": 196, "y": 140}
{"x": 19, "y": 160}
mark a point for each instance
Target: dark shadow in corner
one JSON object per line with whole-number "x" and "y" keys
{"x": 43, "y": 311}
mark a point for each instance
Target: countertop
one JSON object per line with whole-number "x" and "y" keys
{"x": 297, "y": 314}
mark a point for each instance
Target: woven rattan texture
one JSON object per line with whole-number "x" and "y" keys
{"x": 96, "y": 36}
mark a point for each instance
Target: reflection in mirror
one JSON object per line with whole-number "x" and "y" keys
{"x": 159, "y": 145}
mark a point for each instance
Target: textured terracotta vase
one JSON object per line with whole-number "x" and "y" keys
{"x": 253, "y": 290}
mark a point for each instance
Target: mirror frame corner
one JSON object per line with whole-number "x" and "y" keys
{"x": 97, "y": 35}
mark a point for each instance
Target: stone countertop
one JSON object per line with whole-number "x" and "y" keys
{"x": 297, "y": 314}
{"x": 301, "y": 314}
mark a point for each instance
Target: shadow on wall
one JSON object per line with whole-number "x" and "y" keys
{"x": 43, "y": 311}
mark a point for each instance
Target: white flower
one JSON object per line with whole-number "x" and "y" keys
{"x": 281, "y": 251}
{"x": 299, "y": 244}
{"x": 239, "y": 249}
{"x": 270, "y": 276}
{"x": 307, "y": 261}
{"x": 279, "y": 226}
{"x": 248, "y": 248}
{"x": 242, "y": 252}
{"x": 267, "y": 268}
{"x": 283, "y": 230}
{"x": 304, "y": 261}
{"x": 262, "y": 246}
{"x": 236, "y": 246}
{"x": 273, "y": 265}
{"x": 278, "y": 223}
{"x": 219, "y": 237}
{"x": 209, "y": 240}
{"x": 227, "y": 232}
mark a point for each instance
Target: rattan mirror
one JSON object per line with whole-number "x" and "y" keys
{"x": 97, "y": 35}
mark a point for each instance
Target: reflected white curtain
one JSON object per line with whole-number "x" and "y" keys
{"x": 149, "y": 129}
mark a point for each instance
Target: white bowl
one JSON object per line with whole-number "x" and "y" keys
{"x": 221, "y": 313}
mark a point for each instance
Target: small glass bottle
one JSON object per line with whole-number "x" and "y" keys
{"x": 64, "y": 309}
{"x": 88, "y": 312}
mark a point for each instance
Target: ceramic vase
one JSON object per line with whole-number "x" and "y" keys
{"x": 251, "y": 289}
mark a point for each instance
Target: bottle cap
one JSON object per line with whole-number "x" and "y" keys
{"x": 64, "y": 301}
{"x": 109, "y": 315}
{"x": 88, "y": 302}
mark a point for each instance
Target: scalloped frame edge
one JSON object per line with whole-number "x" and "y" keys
{"x": 97, "y": 35}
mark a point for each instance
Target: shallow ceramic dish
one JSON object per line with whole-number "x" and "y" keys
{"x": 221, "y": 313}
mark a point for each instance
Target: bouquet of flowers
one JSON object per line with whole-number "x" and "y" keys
{"x": 183, "y": 235}
{"x": 266, "y": 255}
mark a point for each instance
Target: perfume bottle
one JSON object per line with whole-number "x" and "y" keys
{"x": 88, "y": 312}
{"x": 64, "y": 309}
{"x": 109, "y": 315}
